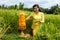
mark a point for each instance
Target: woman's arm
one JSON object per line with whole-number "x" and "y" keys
{"x": 29, "y": 17}
{"x": 42, "y": 18}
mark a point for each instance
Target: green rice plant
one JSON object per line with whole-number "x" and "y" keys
{"x": 50, "y": 30}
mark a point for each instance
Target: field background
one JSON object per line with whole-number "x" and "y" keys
{"x": 50, "y": 30}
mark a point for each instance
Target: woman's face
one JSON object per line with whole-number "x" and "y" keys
{"x": 36, "y": 9}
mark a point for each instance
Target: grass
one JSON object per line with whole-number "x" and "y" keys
{"x": 50, "y": 30}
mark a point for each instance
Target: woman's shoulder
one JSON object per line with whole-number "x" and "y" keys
{"x": 41, "y": 13}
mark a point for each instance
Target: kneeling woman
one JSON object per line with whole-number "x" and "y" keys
{"x": 38, "y": 18}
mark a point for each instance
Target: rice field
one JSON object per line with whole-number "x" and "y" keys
{"x": 50, "y": 29}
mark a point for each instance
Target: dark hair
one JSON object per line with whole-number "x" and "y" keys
{"x": 37, "y": 6}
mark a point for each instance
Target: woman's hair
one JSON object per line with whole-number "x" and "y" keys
{"x": 37, "y": 6}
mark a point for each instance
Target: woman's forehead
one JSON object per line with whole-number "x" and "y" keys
{"x": 35, "y": 7}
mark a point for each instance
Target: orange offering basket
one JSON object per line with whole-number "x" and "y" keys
{"x": 22, "y": 21}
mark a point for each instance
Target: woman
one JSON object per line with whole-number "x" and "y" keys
{"x": 38, "y": 19}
